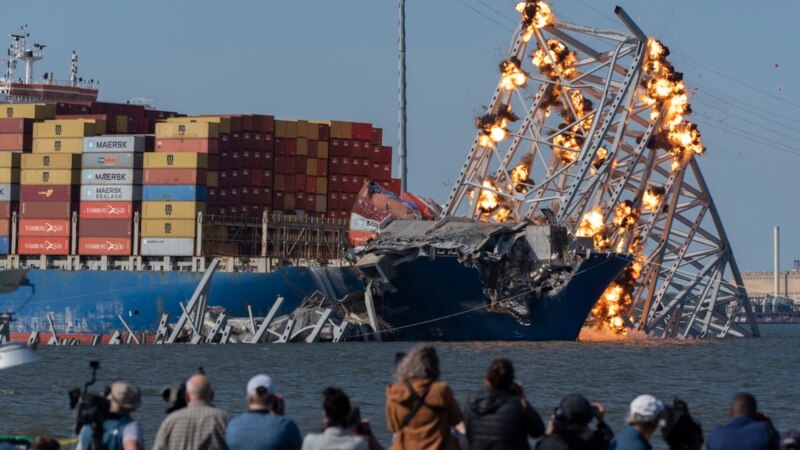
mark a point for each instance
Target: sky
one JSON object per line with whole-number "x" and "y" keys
{"x": 338, "y": 60}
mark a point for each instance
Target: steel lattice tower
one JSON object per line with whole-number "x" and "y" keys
{"x": 587, "y": 128}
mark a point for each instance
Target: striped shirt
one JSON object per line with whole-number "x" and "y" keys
{"x": 199, "y": 426}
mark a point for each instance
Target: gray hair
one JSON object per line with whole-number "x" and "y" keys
{"x": 420, "y": 362}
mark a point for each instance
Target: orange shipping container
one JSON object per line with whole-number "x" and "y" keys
{"x": 188, "y": 145}
{"x": 5, "y": 227}
{"x": 182, "y": 130}
{"x": 99, "y": 246}
{"x": 175, "y": 176}
{"x": 44, "y": 227}
{"x": 32, "y": 245}
{"x": 15, "y": 142}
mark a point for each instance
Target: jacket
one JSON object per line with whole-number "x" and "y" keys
{"x": 430, "y": 427}
{"x": 496, "y": 420}
{"x": 630, "y": 439}
{"x": 744, "y": 433}
{"x": 573, "y": 437}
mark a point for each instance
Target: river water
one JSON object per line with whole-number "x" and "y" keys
{"x": 707, "y": 373}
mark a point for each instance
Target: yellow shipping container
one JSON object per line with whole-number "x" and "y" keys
{"x": 69, "y": 128}
{"x": 38, "y": 111}
{"x": 52, "y": 177}
{"x": 122, "y": 124}
{"x": 186, "y": 129}
{"x": 177, "y": 228}
{"x": 51, "y": 161}
{"x": 212, "y": 179}
{"x": 175, "y": 160}
{"x": 10, "y": 159}
{"x": 341, "y": 130}
{"x": 172, "y": 210}
{"x": 302, "y": 146}
{"x": 322, "y": 185}
{"x": 224, "y": 122}
{"x": 9, "y": 175}
{"x": 58, "y": 145}
{"x": 311, "y": 167}
{"x": 286, "y": 128}
{"x": 322, "y": 149}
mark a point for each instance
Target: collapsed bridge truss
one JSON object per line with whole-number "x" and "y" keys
{"x": 589, "y": 128}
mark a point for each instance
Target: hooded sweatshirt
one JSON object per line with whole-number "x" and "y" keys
{"x": 430, "y": 426}
{"x": 577, "y": 437}
{"x": 497, "y": 420}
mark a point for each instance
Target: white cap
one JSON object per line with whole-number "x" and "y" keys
{"x": 258, "y": 381}
{"x": 645, "y": 408}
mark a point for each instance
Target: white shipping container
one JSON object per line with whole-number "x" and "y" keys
{"x": 111, "y": 160}
{"x": 9, "y": 192}
{"x": 167, "y": 246}
{"x": 111, "y": 176}
{"x": 116, "y": 143}
{"x": 121, "y": 193}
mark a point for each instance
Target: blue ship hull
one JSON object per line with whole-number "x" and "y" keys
{"x": 446, "y": 290}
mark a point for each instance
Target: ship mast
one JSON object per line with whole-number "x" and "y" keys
{"x": 19, "y": 51}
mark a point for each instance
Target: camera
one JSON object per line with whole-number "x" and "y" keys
{"x": 90, "y": 409}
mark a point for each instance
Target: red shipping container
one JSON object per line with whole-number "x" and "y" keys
{"x": 277, "y": 200}
{"x": 247, "y": 122}
{"x": 5, "y": 228}
{"x": 386, "y": 155}
{"x": 225, "y": 142}
{"x": 299, "y": 182}
{"x": 335, "y": 165}
{"x": 299, "y": 165}
{"x": 346, "y": 167}
{"x": 16, "y": 142}
{"x": 44, "y": 227}
{"x": 312, "y": 148}
{"x": 377, "y": 136}
{"x": 45, "y": 210}
{"x": 235, "y": 161}
{"x": 336, "y": 148}
{"x": 105, "y": 228}
{"x": 212, "y": 196}
{"x": 394, "y": 185}
{"x": 347, "y": 147}
{"x": 324, "y": 132}
{"x": 108, "y": 210}
{"x": 198, "y": 145}
{"x": 311, "y": 185}
{"x": 32, "y": 245}
{"x": 268, "y": 124}
{"x": 16, "y": 126}
{"x": 175, "y": 176}
{"x": 99, "y": 246}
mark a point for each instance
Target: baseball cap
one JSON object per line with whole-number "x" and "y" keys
{"x": 126, "y": 395}
{"x": 259, "y": 381}
{"x": 575, "y": 408}
{"x": 645, "y": 408}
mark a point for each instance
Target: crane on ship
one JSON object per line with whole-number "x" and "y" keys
{"x": 590, "y": 128}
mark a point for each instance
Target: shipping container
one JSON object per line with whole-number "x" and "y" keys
{"x": 38, "y": 111}
{"x": 30, "y": 245}
{"x": 9, "y": 175}
{"x": 118, "y": 143}
{"x": 111, "y": 176}
{"x": 5, "y": 245}
{"x": 99, "y": 246}
{"x": 323, "y": 151}
{"x": 10, "y": 159}
{"x": 5, "y": 227}
{"x": 58, "y": 145}
{"x": 55, "y": 161}
{"x": 108, "y": 210}
{"x": 175, "y": 161}
{"x": 105, "y": 228}
{"x": 76, "y": 128}
{"x": 43, "y": 193}
{"x": 178, "y": 228}
{"x": 16, "y": 142}
{"x": 167, "y": 246}
{"x": 212, "y": 178}
{"x": 223, "y": 122}
{"x": 175, "y": 176}
{"x": 172, "y": 210}
{"x": 9, "y": 192}
{"x": 45, "y": 210}
{"x": 322, "y": 185}
{"x": 211, "y": 146}
{"x": 112, "y": 160}
{"x": 120, "y": 193}
{"x": 6, "y": 208}
{"x": 16, "y": 126}
{"x": 44, "y": 227}
{"x": 175, "y": 193}
{"x": 183, "y": 130}
{"x": 286, "y": 128}
{"x": 50, "y": 177}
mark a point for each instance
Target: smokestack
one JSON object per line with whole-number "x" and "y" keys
{"x": 777, "y": 255}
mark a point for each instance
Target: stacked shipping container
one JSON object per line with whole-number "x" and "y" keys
{"x": 9, "y": 195}
{"x": 111, "y": 192}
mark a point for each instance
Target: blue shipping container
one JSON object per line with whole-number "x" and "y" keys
{"x": 174, "y": 193}
{"x": 4, "y": 247}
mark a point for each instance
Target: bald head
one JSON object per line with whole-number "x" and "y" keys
{"x": 198, "y": 388}
{"x": 744, "y": 404}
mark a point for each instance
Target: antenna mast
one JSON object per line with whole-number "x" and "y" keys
{"x": 401, "y": 110}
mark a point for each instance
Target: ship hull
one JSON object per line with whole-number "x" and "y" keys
{"x": 442, "y": 300}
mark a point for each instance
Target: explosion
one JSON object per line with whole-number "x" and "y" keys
{"x": 617, "y": 301}
{"x": 488, "y": 200}
{"x": 520, "y": 175}
{"x": 651, "y": 198}
{"x": 493, "y": 126}
{"x": 599, "y": 158}
{"x": 625, "y": 216}
{"x": 502, "y": 214}
{"x": 557, "y": 60}
{"x": 535, "y": 14}
{"x": 567, "y": 146}
{"x": 512, "y": 76}
{"x": 592, "y": 225}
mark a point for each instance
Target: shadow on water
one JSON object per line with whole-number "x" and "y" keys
{"x": 706, "y": 373}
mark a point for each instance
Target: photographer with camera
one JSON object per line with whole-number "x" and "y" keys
{"x": 120, "y": 431}
{"x": 569, "y": 427}
{"x": 499, "y": 416}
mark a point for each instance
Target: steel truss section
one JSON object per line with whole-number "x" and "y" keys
{"x": 583, "y": 142}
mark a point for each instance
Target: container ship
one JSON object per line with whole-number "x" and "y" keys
{"x": 117, "y": 210}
